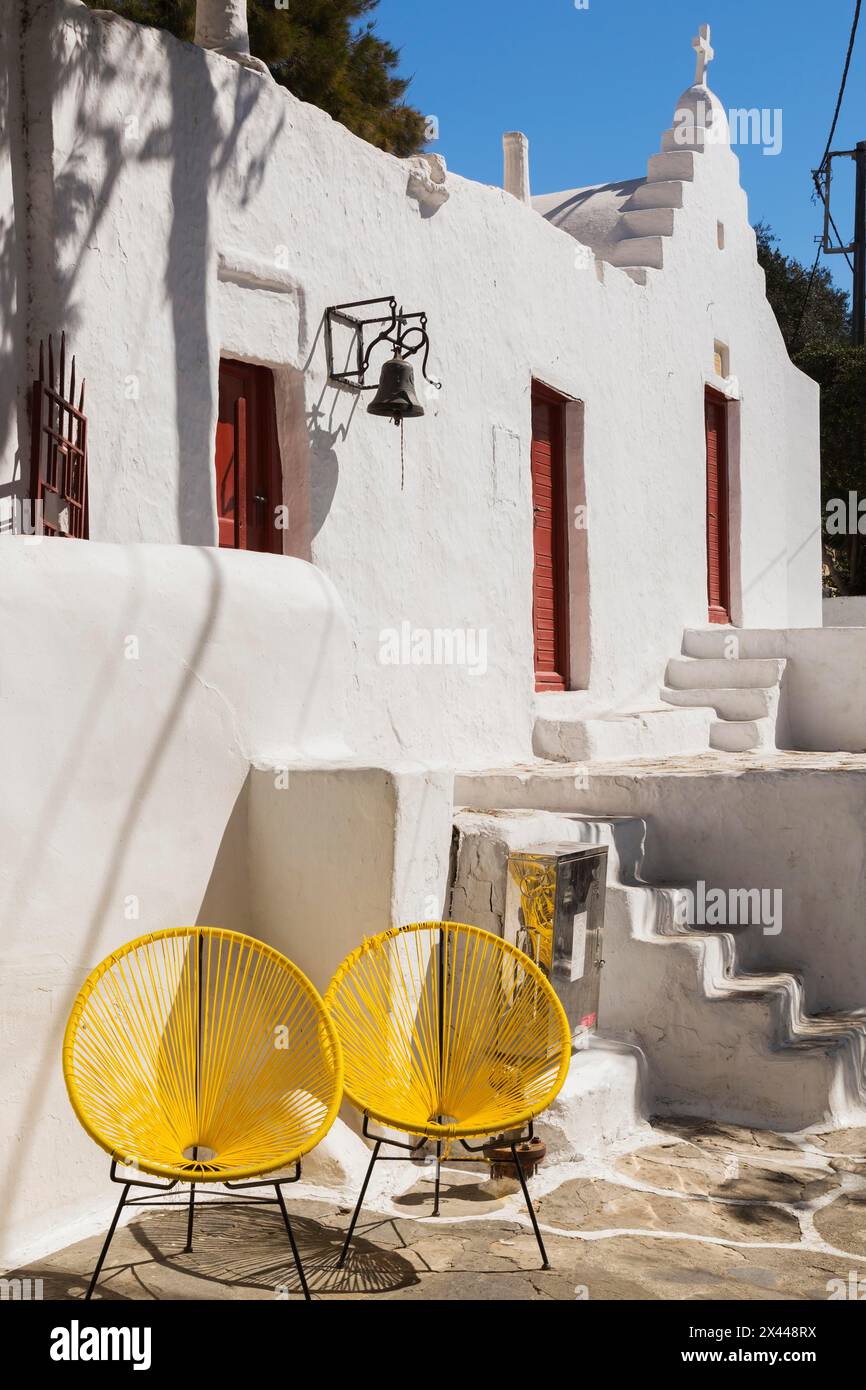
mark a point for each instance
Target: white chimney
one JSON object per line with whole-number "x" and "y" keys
{"x": 515, "y": 148}
{"x": 221, "y": 25}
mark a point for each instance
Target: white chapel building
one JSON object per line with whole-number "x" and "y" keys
{"x": 277, "y": 665}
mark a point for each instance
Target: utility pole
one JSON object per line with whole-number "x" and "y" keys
{"x": 858, "y": 303}
{"x": 857, "y": 249}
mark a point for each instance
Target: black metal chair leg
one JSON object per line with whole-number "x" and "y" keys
{"x": 356, "y": 1213}
{"x": 438, "y": 1177}
{"x": 188, "y": 1247}
{"x": 545, "y": 1262}
{"x": 296, "y": 1256}
{"x": 104, "y": 1251}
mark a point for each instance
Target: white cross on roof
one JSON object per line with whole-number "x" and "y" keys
{"x": 705, "y": 53}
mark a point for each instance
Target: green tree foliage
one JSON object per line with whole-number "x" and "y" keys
{"x": 820, "y": 318}
{"x": 817, "y": 332}
{"x": 840, "y": 370}
{"x": 325, "y": 51}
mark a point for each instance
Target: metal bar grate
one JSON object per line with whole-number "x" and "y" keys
{"x": 58, "y": 443}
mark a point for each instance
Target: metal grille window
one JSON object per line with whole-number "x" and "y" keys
{"x": 58, "y": 448}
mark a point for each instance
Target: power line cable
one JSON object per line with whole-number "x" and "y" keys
{"x": 844, "y": 81}
{"x": 842, "y": 85}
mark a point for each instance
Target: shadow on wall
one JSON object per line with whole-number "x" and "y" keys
{"x": 174, "y": 122}
{"x": 226, "y": 901}
{"x": 324, "y": 431}
{"x": 56, "y": 802}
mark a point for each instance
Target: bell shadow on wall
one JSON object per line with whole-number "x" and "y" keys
{"x": 308, "y": 441}
{"x": 324, "y": 469}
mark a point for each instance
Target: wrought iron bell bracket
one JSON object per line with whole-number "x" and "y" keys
{"x": 405, "y": 333}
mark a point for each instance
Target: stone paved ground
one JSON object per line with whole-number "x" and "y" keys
{"x": 701, "y": 1211}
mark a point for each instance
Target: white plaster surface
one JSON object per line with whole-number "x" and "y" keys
{"x": 168, "y": 206}
{"x": 154, "y": 166}
{"x": 711, "y": 1032}
{"x": 130, "y": 721}
{"x": 822, "y": 678}
{"x": 789, "y": 821}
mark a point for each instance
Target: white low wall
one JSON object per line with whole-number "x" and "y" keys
{"x": 231, "y": 215}
{"x": 137, "y": 684}
{"x": 822, "y": 703}
{"x": 339, "y": 853}
{"x": 845, "y": 612}
{"x": 824, "y": 689}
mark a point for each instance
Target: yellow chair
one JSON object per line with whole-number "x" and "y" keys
{"x": 201, "y": 1055}
{"x": 448, "y": 1032}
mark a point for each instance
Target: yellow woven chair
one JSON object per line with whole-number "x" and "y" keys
{"x": 200, "y": 1055}
{"x": 448, "y": 1032}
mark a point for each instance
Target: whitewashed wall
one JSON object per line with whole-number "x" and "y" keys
{"x": 129, "y": 723}
{"x": 200, "y": 209}
{"x": 176, "y": 207}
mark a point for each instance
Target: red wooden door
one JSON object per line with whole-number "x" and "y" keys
{"x": 550, "y": 540}
{"x": 247, "y": 462}
{"x": 718, "y": 571}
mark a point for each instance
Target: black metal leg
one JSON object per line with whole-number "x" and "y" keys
{"x": 545, "y": 1262}
{"x": 104, "y": 1251}
{"x": 296, "y": 1256}
{"x": 356, "y": 1213}
{"x": 188, "y": 1247}
{"x": 438, "y": 1177}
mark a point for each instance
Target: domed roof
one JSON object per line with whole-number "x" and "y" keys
{"x": 699, "y": 110}
{"x": 590, "y": 215}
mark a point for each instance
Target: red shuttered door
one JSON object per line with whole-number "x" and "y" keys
{"x": 247, "y": 460}
{"x": 550, "y": 537}
{"x": 718, "y": 579}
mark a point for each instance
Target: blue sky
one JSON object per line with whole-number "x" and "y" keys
{"x": 594, "y": 88}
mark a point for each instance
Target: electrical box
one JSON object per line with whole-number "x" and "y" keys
{"x": 554, "y": 911}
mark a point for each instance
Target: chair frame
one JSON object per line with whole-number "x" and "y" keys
{"x": 412, "y": 1150}
{"x": 162, "y": 1188}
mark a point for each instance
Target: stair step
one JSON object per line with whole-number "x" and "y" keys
{"x": 730, "y": 642}
{"x": 702, "y": 673}
{"x": 673, "y": 139}
{"x": 665, "y": 194}
{"x": 648, "y": 222}
{"x": 667, "y": 731}
{"x": 729, "y": 702}
{"x": 672, "y": 164}
{"x": 638, "y": 250}
{"x": 717, "y": 1039}
{"x": 742, "y": 735}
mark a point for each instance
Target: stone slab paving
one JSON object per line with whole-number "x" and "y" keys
{"x": 702, "y": 1211}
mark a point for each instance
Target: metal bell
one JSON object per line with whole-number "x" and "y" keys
{"x": 396, "y": 394}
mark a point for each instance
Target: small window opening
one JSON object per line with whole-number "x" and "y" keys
{"x": 721, "y": 359}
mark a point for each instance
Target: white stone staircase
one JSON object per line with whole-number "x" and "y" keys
{"x": 648, "y": 217}
{"x": 743, "y": 691}
{"x": 564, "y": 732}
{"x": 719, "y": 1041}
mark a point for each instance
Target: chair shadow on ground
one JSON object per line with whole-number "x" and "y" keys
{"x": 421, "y": 1197}
{"x": 234, "y": 1248}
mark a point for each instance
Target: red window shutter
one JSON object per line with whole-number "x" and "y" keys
{"x": 717, "y": 510}
{"x": 550, "y": 575}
